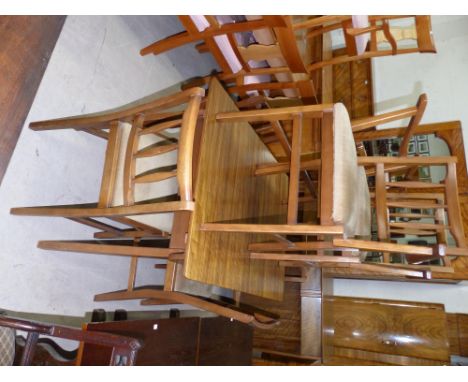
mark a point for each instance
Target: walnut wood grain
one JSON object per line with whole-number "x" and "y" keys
{"x": 385, "y": 331}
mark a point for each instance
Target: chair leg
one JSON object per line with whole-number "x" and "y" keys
{"x": 107, "y": 249}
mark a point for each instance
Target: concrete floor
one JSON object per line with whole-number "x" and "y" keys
{"x": 96, "y": 65}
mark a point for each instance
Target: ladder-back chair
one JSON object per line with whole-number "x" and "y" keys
{"x": 411, "y": 210}
{"x": 344, "y": 205}
{"x": 255, "y": 53}
{"x": 134, "y": 192}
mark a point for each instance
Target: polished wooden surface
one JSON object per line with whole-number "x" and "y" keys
{"x": 385, "y": 331}
{"x": 201, "y": 341}
{"x": 286, "y": 336}
{"x": 227, "y": 190}
{"x": 453, "y": 333}
{"x": 311, "y": 312}
{"x": 122, "y": 349}
{"x": 462, "y": 322}
{"x": 457, "y": 324}
{"x": 27, "y": 44}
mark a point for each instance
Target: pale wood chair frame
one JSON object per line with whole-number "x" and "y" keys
{"x": 284, "y": 34}
{"x": 294, "y": 167}
{"x": 284, "y": 28}
{"x": 145, "y": 119}
{"x": 415, "y": 194}
{"x": 415, "y": 113}
{"x": 320, "y": 25}
{"x": 150, "y": 118}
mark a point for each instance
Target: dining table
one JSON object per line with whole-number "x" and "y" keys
{"x": 227, "y": 190}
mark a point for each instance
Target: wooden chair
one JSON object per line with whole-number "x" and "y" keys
{"x": 401, "y": 205}
{"x": 124, "y": 349}
{"x": 267, "y": 62}
{"x": 369, "y": 36}
{"x": 343, "y": 196}
{"x": 291, "y": 63}
{"x": 134, "y": 192}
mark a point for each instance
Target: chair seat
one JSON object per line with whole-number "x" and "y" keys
{"x": 7, "y": 346}
{"x": 351, "y": 198}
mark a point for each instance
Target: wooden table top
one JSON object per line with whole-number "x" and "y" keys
{"x": 228, "y": 191}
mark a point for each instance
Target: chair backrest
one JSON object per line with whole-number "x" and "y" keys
{"x": 418, "y": 209}
{"x": 363, "y": 42}
{"x": 419, "y": 30}
{"x": 134, "y": 162}
{"x": 124, "y": 349}
{"x": 255, "y": 53}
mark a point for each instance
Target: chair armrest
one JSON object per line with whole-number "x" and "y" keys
{"x": 442, "y": 160}
{"x": 367, "y": 123}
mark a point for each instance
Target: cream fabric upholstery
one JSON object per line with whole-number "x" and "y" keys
{"x": 145, "y": 191}
{"x": 351, "y": 199}
{"x": 7, "y": 346}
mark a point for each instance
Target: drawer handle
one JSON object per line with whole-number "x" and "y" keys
{"x": 389, "y": 343}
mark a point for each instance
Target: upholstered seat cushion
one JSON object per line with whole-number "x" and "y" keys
{"x": 351, "y": 199}
{"x": 7, "y": 346}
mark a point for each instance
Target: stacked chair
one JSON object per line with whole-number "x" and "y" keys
{"x": 135, "y": 192}
{"x": 272, "y": 53}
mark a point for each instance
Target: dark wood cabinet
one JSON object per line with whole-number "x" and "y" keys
{"x": 203, "y": 341}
